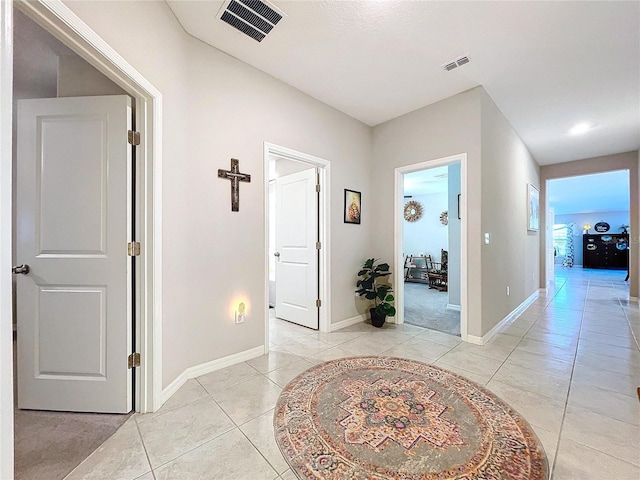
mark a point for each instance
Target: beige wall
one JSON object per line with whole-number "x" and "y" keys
{"x": 76, "y": 78}
{"x": 446, "y": 128}
{"x": 511, "y": 258}
{"x": 499, "y": 168}
{"x": 215, "y": 108}
{"x": 622, "y": 161}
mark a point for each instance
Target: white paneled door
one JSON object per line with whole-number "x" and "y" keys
{"x": 74, "y": 305}
{"x": 296, "y": 253}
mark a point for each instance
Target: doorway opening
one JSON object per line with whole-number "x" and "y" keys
{"x": 56, "y": 19}
{"x": 589, "y": 216}
{"x": 430, "y": 245}
{"x": 297, "y": 233}
{"x": 431, "y": 248}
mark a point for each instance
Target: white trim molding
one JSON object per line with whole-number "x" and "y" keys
{"x": 324, "y": 282}
{"x": 515, "y": 313}
{"x": 451, "y": 306}
{"x": 6, "y": 280}
{"x": 347, "y": 322}
{"x": 208, "y": 367}
{"x": 398, "y": 276}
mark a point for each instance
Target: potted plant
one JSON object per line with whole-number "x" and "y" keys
{"x": 369, "y": 287}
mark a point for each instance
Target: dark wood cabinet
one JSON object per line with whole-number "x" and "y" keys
{"x": 606, "y": 250}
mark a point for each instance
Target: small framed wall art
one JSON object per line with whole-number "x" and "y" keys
{"x": 533, "y": 208}
{"x": 352, "y": 206}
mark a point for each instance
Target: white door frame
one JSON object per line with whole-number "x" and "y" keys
{"x": 55, "y": 17}
{"x": 398, "y": 277}
{"x": 324, "y": 273}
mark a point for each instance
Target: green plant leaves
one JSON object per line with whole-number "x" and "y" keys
{"x": 371, "y": 290}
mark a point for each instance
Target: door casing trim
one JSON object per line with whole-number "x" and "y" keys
{"x": 398, "y": 278}
{"x": 324, "y": 217}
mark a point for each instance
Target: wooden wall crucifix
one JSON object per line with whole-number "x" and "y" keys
{"x": 236, "y": 177}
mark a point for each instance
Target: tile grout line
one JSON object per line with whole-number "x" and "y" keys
{"x": 196, "y": 446}
{"x": 525, "y": 333}
{"x": 144, "y": 447}
{"x": 549, "y": 466}
{"x": 575, "y": 357}
{"x": 278, "y": 474}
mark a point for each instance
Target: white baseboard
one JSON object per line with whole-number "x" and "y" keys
{"x": 349, "y": 321}
{"x": 634, "y": 299}
{"x": 453, "y": 306}
{"x": 209, "y": 367}
{"x": 515, "y": 313}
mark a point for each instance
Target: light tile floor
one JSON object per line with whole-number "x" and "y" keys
{"x": 570, "y": 364}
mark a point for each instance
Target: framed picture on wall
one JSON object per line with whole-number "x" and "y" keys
{"x": 533, "y": 208}
{"x": 352, "y": 206}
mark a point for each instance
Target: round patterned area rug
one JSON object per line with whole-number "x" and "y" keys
{"x": 381, "y": 418}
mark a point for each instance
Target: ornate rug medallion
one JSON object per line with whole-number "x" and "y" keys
{"x": 381, "y": 418}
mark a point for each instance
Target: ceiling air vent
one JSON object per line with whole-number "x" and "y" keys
{"x": 254, "y": 18}
{"x": 458, "y": 62}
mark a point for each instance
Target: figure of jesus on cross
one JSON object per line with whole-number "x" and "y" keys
{"x": 235, "y": 176}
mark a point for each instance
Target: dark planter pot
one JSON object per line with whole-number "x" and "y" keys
{"x": 377, "y": 320}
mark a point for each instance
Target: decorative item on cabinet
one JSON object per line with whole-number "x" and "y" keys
{"x": 605, "y": 251}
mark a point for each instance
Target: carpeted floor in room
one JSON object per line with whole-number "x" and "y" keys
{"x": 427, "y": 307}
{"x": 49, "y": 445}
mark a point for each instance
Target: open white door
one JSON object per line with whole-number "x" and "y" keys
{"x": 296, "y": 253}
{"x": 74, "y": 306}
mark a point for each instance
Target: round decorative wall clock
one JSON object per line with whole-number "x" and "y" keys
{"x": 412, "y": 211}
{"x": 444, "y": 217}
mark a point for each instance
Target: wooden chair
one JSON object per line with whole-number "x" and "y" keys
{"x": 438, "y": 275}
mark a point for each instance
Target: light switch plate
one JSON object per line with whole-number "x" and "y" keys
{"x": 487, "y": 239}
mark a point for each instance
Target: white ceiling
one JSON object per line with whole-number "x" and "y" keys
{"x": 603, "y": 192}
{"x": 425, "y": 182}
{"x": 547, "y": 64}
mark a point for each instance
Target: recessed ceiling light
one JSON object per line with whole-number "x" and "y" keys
{"x": 580, "y": 128}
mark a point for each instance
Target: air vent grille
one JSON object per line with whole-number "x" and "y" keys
{"x": 263, "y": 9}
{"x": 254, "y": 18}
{"x": 458, "y": 62}
{"x": 243, "y": 27}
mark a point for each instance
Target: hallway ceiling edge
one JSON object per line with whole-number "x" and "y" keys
{"x": 547, "y": 65}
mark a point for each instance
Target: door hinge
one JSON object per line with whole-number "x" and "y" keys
{"x": 318, "y": 303}
{"x": 133, "y": 249}
{"x": 133, "y": 360}
{"x": 318, "y": 245}
{"x": 318, "y": 187}
{"x": 133, "y": 137}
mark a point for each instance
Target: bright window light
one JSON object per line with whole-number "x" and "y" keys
{"x": 580, "y": 128}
